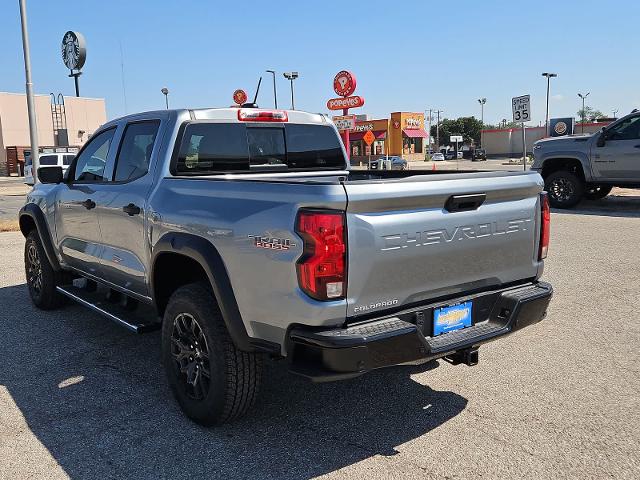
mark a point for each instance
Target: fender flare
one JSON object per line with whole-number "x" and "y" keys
{"x": 33, "y": 211}
{"x": 206, "y": 255}
{"x": 579, "y": 157}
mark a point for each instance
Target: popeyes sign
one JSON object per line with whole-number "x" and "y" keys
{"x": 347, "y": 102}
{"x": 344, "y": 84}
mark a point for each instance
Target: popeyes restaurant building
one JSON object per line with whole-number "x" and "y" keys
{"x": 402, "y": 134}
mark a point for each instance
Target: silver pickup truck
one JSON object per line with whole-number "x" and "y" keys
{"x": 242, "y": 234}
{"x": 589, "y": 166}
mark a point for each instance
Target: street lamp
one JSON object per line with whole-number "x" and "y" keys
{"x": 583, "y": 97}
{"x": 291, "y": 76}
{"x": 31, "y": 110}
{"x": 165, "y": 92}
{"x": 482, "y": 101}
{"x": 615, "y": 112}
{"x": 546, "y": 122}
{"x": 275, "y": 94}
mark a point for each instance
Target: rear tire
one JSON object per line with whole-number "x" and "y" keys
{"x": 596, "y": 192}
{"x": 212, "y": 381}
{"x": 42, "y": 280}
{"x": 565, "y": 189}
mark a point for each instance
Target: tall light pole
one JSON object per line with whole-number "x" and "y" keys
{"x": 583, "y": 97}
{"x": 482, "y": 101}
{"x": 275, "y": 94}
{"x": 291, "y": 76}
{"x": 165, "y": 92}
{"x": 33, "y": 127}
{"x": 615, "y": 112}
{"x": 546, "y": 121}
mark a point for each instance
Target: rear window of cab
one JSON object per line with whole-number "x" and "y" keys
{"x": 210, "y": 148}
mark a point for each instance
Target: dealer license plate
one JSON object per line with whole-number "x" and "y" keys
{"x": 452, "y": 318}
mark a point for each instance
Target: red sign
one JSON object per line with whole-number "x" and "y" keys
{"x": 240, "y": 97}
{"x": 369, "y": 137}
{"x": 344, "y": 83}
{"x": 346, "y": 102}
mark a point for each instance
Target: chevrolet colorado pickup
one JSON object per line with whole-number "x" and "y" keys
{"x": 589, "y": 166}
{"x": 242, "y": 234}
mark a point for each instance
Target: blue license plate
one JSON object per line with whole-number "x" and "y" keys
{"x": 450, "y": 319}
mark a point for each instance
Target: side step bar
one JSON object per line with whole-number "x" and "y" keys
{"x": 95, "y": 301}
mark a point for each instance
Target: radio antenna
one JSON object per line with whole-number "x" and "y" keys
{"x": 257, "y": 90}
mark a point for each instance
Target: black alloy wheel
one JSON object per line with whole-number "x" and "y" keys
{"x": 596, "y": 192}
{"x": 565, "y": 189}
{"x": 191, "y": 355}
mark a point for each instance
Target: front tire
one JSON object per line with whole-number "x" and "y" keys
{"x": 596, "y": 192}
{"x": 211, "y": 379}
{"x": 565, "y": 189}
{"x": 42, "y": 280}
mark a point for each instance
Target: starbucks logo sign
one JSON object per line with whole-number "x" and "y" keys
{"x": 74, "y": 50}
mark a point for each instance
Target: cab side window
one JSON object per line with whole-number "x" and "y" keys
{"x": 93, "y": 159}
{"x": 629, "y": 129}
{"x": 134, "y": 156}
{"x": 48, "y": 160}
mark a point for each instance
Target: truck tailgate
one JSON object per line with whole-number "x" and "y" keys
{"x": 406, "y": 247}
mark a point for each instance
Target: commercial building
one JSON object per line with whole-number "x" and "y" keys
{"x": 507, "y": 142}
{"x": 401, "y": 134}
{"x": 62, "y": 122}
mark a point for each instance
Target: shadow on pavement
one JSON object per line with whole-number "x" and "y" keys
{"x": 95, "y": 396}
{"x": 611, "y": 206}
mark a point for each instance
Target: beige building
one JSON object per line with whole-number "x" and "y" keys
{"x": 69, "y": 123}
{"x": 507, "y": 142}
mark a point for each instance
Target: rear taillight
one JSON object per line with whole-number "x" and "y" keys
{"x": 322, "y": 267}
{"x": 545, "y": 225}
{"x": 253, "y": 115}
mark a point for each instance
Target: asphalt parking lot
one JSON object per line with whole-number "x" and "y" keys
{"x": 82, "y": 398}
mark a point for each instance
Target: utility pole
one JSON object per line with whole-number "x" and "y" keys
{"x": 275, "y": 94}
{"x": 438, "y": 112}
{"x": 33, "y": 128}
{"x": 429, "y": 139}
{"x": 583, "y": 97}
{"x": 546, "y": 122}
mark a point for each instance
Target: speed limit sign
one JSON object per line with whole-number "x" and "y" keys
{"x": 521, "y": 109}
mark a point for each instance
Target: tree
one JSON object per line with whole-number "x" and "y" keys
{"x": 468, "y": 127}
{"x": 590, "y": 114}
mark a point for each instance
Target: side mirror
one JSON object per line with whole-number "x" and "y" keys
{"x": 50, "y": 174}
{"x": 602, "y": 139}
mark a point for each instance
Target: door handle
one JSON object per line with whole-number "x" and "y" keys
{"x": 464, "y": 203}
{"x": 88, "y": 204}
{"x": 131, "y": 209}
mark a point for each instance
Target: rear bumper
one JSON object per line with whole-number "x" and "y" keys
{"x": 341, "y": 353}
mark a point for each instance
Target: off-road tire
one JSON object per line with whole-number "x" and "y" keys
{"x": 42, "y": 280}
{"x": 234, "y": 375}
{"x": 565, "y": 189}
{"x": 596, "y": 192}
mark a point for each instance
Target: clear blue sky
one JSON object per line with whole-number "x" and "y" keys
{"x": 407, "y": 55}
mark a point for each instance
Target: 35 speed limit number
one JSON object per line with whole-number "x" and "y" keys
{"x": 521, "y": 109}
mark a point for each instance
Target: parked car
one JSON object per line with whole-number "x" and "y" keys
{"x": 479, "y": 154}
{"x": 393, "y": 162}
{"x": 589, "y": 166}
{"x": 459, "y": 155}
{"x": 437, "y": 157}
{"x": 450, "y": 155}
{"x": 47, "y": 160}
{"x": 398, "y": 163}
{"x": 242, "y": 234}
